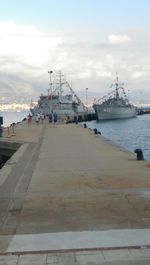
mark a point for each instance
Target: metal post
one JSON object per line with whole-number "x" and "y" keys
{"x": 86, "y": 90}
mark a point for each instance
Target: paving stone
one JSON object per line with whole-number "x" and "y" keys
{"x": 62, "y": 259}
{"x": 145, "y": 253}
{"x": 52, "y": 259}
{"x": 137, "y": 262}
{"x": 140, "y": 254}
{"x": 35, "y": 259}
{"x": 8, "y": 260}
{"x": 117, "y": 255}
{"x": 4, "y": 243}
{"x": 95, "y": 259}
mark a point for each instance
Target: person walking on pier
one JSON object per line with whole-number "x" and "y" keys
{"x": 37, "y": 119}
{"x": 29, "y": 119}
{"x": 55, "y": 119}
{"x": 50, "y": 118}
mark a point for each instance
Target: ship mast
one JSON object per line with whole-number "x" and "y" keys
{"x": 117, "y": 86}
{"x": 60, "y": 83}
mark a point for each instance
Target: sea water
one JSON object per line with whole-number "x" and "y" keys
{"x": 129, "y": 133}
{"x": 11, "y": 117}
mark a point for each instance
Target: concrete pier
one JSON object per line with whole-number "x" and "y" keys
{"x": 67, "y": 190}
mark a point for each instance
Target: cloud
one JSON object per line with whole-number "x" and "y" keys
{"x": 88, "y": 60}
{"x": 118, "y": 39}
{"x": 26, "y": 43}
{"x": 137, "y": 75}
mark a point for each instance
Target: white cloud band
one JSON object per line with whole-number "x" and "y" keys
{"x": 118, "y": 39}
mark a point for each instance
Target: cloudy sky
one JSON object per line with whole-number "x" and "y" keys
{"x": 89, "y": 40}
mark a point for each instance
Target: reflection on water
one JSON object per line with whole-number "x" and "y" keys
{"x": 128, "y": 133}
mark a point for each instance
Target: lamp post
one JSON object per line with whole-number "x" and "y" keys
{"x": 50, "y": 78}
{"x": 50, "y": 85}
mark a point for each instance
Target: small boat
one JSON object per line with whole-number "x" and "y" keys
{"x": 114, "y": 105}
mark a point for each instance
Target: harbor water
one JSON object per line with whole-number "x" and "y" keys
{"x": 10, "y": 117}
{"x": 128, "y": 133}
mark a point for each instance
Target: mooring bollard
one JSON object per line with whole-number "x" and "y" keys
{"x": 139, "y": 153}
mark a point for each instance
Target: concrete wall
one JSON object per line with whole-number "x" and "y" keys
{"x": 7, "y": 149}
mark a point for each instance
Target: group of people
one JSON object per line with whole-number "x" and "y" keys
{"x": 40, "y": 117}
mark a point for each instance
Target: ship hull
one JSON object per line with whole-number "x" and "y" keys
{"x": 114, "y": 112}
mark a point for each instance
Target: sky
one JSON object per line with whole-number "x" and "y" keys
{"x": 88, "y": 40}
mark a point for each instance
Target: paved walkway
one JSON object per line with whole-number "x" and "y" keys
{"x": 65, "y": 181}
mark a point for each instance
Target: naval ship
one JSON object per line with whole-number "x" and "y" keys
{"x": 61, "y": 98}
{"x": 114, "y": 105}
